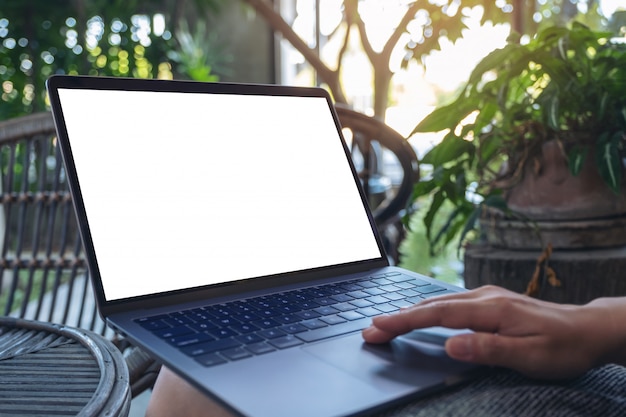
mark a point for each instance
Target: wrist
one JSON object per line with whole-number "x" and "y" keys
{"x": 606, "y": 324}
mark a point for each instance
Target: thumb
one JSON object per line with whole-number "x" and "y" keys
{"x": 519, "y": 353}
{"x": 461, "y": 348}
{"x": 486, "y": 349}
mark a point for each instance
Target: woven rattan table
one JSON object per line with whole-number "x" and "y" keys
{"x": 48, "y": 369}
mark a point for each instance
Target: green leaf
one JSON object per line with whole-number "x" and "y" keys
{"x": 492, "y": 61}
{"x": 609, "y": 161}
{"x": 449, "y": 149}
{"x": 604, "y": 100}
{"x": 496, "y": 201}
{"x": 470, "y": 224}
{"x": 435, "y": 205}
{"x": 446, "y": 117}
{"x": 552, "y": 114}
{"x": 422, "y": 188}
{"x": 576, "y": 159}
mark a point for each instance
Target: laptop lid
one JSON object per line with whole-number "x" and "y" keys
{"x": 200, "y": 189}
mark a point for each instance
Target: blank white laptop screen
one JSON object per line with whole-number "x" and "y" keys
{"x": 183, "y": 190}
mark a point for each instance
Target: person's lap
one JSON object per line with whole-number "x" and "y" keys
{"x": 500, "y": 392}
{"x": 173, "y": 396}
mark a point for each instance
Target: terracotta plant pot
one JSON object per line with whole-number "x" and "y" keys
{"x": 553, "y": 206}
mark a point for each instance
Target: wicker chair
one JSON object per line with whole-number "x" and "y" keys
{"x": 388, "y": 168}
{"x": 43, "y": 272}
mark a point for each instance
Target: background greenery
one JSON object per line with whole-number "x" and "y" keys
{"x": 176, "y": 39}
{"x": 130, "y": 38}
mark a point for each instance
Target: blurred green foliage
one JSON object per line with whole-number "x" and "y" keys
{"x": 127, "y": 38}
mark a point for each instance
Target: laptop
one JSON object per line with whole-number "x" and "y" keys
{"x": 227, "y": 233}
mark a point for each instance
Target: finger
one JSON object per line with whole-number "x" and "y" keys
{"x": 528, "y": 355}
{"x": 373, "y": 334}
{"x": 486, "y": 291}
{"x": 455, "y": 314}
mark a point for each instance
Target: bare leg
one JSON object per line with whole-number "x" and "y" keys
{"x": 173, "y": 396}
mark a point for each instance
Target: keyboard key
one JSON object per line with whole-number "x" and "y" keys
{"x": 338, "y": 329}
{"x": 293, "y": 328}
{"x": 236, "y": 353}
{"x": 222, "y": 333}
{"x": 394, "y": 296}
{"x": 284, "y": 342}
{"x": 268, "y": 312}
{"x": 324, "y": 301}
{"x": 246, "y": 317}
{"x": 438, "y": 293}
{"x": 358, "y": 294}
{"x": 307, "y": 314}
{"x": 404, "y": 285}
{"x": 313, "y": 324}
{"x": 260, "y": 348}
{"x": 361, "y": 303}
{"x": 174, "y": 332}
{"x": 190, "y": 339}
{"x": 249, "y": 338}
{"x": 351, "y": 315}
{"x": 427, "y": 289}
{"x": 210, "y": 347}
{"x": 244, "y": 328}
{"x": 377, "y": 299}
{"x": 334, "y": 319}
{"x": 308, "y": 305}
{"x": 153, "y": 325}
{"x": 326, "y": 310}
{"x": 351, "y": 287}
{"x": 203, "y": 327}
{"x": 270, "y": 333}
{"x": 385, "y": 308}
{"x": 287, "y": 319}
{"x": 288, "y": 308}
{"x": 226, "y": 321}
{"x": 266, "y": 324}
{"x": 151, "y": 318}
{"x": 390, "y": 288}
{"x": 374, "y": 291}
{"x": 210, "y": 359}
{"x": 368, "y": 284}
{"x": 409, "y": 293}
{"x": 401, "y": 303}
{"x": 398, "y": 277}
{"x": 341, "y": 298}
{"x": 177, "y": 321}
{"x": 344, "y": 306}
{"x": 368, "y": 311}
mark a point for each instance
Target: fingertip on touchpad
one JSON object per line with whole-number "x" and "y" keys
{"x": 427, "y": 342}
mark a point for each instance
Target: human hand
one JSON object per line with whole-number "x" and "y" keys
{"x": 537, "y": 338}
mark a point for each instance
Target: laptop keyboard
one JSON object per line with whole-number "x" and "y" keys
{"x": 216, "y": 334}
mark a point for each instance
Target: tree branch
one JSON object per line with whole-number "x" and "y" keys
{"x": 400, "y": 29}
{"x": 278, "y": 24}
{"x": 344, "y": 45}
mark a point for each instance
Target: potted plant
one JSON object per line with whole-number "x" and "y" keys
{"x": 555, "y": 105}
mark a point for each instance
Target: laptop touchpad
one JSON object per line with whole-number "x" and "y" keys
{"x": 401, "y": 363}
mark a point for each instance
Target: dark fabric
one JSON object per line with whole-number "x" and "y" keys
{"x": 504, "y": 393}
